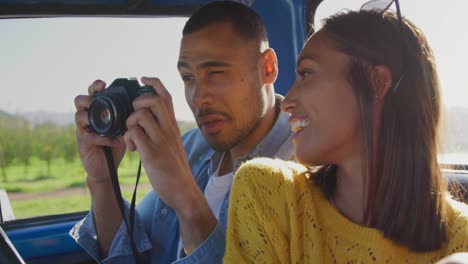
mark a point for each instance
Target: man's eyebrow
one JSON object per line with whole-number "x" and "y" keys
{"x": 207, "y": 64}
{"x": 182, "y": 64}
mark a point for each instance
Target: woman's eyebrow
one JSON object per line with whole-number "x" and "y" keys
{"x": 305, "y": 57}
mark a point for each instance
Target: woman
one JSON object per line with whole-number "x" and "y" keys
{"x": 369, "y": 119}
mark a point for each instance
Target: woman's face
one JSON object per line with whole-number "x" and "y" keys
{"x": 322, "y": 105}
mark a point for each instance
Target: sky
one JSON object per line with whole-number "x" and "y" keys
{"x": 69, "y": 53}
{"x": 445, "y": 25}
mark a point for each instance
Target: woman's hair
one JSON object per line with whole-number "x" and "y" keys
{"x": 405, "y": 194}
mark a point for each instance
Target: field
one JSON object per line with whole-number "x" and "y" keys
{"x": 33, "y": 191}
{"x": 41, "y": 171}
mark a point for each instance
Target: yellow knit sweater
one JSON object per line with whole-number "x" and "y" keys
{"x": 276, "y": 215}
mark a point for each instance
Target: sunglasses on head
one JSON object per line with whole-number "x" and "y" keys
{"x": 383, "y": 6}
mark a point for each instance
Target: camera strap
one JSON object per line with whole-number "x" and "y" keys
{"x": 118, "y": 195}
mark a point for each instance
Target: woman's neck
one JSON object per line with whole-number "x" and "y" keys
{"x": 349, "y": 195}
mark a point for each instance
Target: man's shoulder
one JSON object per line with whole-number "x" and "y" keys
{"x": 195, "y": 143}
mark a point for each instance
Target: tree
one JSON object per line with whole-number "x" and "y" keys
{"x": 7, "y": 151}
{"x": 66, "y": 143}
{"x": 8, "y": 141}
{"x": 45, "y": 141}
{"x": 24, "y": 144}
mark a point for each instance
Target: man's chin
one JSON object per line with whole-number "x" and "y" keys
{"x": 217, "y": 144}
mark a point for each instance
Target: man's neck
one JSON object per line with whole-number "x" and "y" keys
{"x": 256, "y": 136}
{"x": 248, "y": 144}
{"x": 226, "y": 164}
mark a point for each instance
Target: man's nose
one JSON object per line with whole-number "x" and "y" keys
{"x": 201, "y": 94}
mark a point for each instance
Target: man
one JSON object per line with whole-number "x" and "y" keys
{"x": 228, "y": 73}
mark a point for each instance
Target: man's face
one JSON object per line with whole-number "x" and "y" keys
{"x": 222, "y": 76}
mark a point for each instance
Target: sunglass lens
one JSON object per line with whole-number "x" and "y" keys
{"x": 377, "y": 5}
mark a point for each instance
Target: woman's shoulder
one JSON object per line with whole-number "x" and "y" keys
{"x": 271, "y": 169}
{"x": 458, "y": 213}
{"x": 457, "y": 217}
{"x": 268, "y": 184}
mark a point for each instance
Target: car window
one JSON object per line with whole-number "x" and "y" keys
{"x": 45, "y": 63}
{"x": 444, "y": 25}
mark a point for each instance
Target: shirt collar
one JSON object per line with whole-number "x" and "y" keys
{"x": 270, "y": 144}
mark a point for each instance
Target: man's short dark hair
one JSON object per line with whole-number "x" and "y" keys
{"x": 245, "y": 21}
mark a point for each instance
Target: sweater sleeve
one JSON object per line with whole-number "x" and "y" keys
{"x": 257, "y": 229}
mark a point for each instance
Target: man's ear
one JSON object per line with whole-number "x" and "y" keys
{"x": 270, "y": 62}
{"x": 381, "y": 78}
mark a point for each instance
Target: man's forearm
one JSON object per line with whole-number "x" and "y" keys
{"x": 196, "y": 222}
{"x": 211, "y": 251}
{"x": 107, "y": 217}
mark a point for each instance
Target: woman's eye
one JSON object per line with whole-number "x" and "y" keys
{"x": 303, "y": 74}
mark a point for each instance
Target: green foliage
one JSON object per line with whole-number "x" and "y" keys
{"x": 6, "y": 152}
{"x": 42, "y": 160}
{"x": 24, "y": 145}
{"x": 66, "y": 144}
{"x": 186, "y": 126}
{"x": 10, "y": 142}
{"x": 46, "y": 136}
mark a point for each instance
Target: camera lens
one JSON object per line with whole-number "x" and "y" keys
{"x": 111, "y": 107}
{"x": 101, "y": 116}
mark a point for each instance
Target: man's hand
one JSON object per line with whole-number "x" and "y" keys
{"x": 90, "y": 147}
{"x": 154, "y": 133}
{"x": 90, "y": 144}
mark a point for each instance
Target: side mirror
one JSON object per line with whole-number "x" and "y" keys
{"x": 6, "y": 212}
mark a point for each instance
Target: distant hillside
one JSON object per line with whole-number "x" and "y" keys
{"x": 4, "y": 114}
{"x": 37, "y": 118}
{"x": 62, "y": 119}
{"x": 6, "y": 117}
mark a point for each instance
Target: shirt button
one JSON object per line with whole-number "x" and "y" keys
{"x": 164, "y": 211}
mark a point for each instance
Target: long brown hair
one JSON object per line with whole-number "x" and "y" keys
{"x": 405, "y": 195}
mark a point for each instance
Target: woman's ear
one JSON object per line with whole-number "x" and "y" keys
{"x": 381, "y": 78}
{"x": 270, "y": 66}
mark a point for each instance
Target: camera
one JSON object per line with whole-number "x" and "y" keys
{"x": 110, "y": 108}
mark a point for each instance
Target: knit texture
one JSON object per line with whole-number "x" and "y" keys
{"x": 277, "y": 215}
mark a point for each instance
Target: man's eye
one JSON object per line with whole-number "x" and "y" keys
{"x": 216, "y": 72}
{"x": 187, "y": 77}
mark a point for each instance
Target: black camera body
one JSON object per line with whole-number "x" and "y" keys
{"x": 110, "y": 109}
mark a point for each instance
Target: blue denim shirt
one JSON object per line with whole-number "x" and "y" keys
{"x": 156, "y": 224}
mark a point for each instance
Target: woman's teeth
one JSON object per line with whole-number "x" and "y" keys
{"x": 299, "y": 125}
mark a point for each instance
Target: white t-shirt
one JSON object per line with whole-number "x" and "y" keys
{"x": 215, "y": 191}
